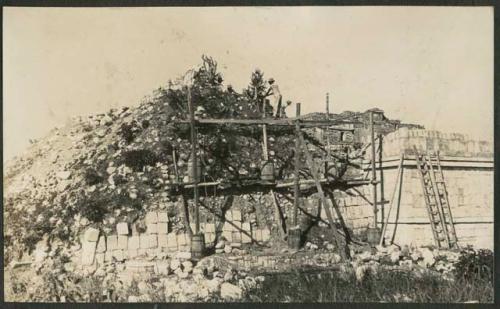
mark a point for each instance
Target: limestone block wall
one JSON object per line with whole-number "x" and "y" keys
{"x": 448, "y": 144}
{"x": 157, "y": 242}
{"x": 355, "y": 209}
{"x": 468, "y": 171}
{"x": 470, "y": 193}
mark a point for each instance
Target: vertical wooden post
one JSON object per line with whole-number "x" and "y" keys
{"x": 381, "y": 179}
{"x": 297, "y": 166}
{"x": 374, "y": 171}
{"x": 397, "y": 184}
{"x": 194, "y": 157}
{"x": 278, "y": 216}
{"x": 338, "y": 242}
{"x": 327, "y": 104}
{"x": 174, "y": 157}
{"x": 264, "y": 139}
{"x": 327, "y": 133}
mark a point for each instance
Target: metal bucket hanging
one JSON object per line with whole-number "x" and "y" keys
{"x": 267, "y": 171}
{"x": 191, "y": 170}
{"x": 333, "y": 170}
{"x": 197, "y": 246}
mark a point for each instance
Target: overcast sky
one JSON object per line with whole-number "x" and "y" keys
{"x": 428, "y": 65}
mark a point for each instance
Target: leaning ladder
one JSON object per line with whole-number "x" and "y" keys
{"x": 436, "y": 199}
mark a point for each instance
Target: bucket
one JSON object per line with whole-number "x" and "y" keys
{"x": 373, "y": 235}
{"x": 267, "y": 171}
{"x": 333, "y": 169}
{"x": 197, "y": 246}
{"x": 191, "y": 170}
{"x": 294, "y": 238}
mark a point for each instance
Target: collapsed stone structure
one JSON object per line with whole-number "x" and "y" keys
{"x": 113, "y": 189}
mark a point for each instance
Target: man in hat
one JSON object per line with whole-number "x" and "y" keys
{"x": 275, "y": 99}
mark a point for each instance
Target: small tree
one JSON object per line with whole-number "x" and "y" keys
{"x": 256, "y": 90}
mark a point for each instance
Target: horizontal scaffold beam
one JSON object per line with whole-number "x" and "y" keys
{"x": 352, "y": 182}
{"x": 278, "y": 122}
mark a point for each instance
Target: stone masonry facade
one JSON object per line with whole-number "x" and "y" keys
{"x": 157, "y": 242}
{"x": 468, "y": 171}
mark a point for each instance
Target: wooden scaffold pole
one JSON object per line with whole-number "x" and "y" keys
{"x": 295, "y": 233}
{"x": 339, "y": 243}
{"x": 198, "y": 239}
{"x": 374, "y": 171}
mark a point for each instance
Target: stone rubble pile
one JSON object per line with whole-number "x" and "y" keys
{"x": 406, "y": 258}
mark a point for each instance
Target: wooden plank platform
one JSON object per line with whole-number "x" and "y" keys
{"x": 279, "y": 122}
{"x": 354, "y": 182}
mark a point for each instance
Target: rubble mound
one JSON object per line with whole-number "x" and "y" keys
{"x": 115, "y": 166}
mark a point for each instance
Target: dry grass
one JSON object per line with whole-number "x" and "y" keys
{"x": 387, "y": 286}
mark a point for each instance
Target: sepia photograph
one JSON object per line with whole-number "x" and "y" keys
{"x": 257, "y": 154}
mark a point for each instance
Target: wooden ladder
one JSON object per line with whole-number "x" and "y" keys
{"x": 436, "y": 200}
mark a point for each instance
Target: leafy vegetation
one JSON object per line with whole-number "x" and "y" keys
{"x": 384, "y": 286}
{"x": 138, "y": 159}
{"x": 475, "y": 265}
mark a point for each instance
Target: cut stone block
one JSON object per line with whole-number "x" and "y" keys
{"x": 183, "y": 255}
{"x": 91, "y": 234}
{"x": 228, "y": 235}
{"x": 140, "y": 266}
{"x": 152, "y": 217}
{"x": 152, "y": 241}
{"x": 236, "y": 215}
{"x": 245, "y": 226}
{"x": 99, "y": 258}
{"x": 143, "y": 241}
{"x": 88, "y": 252}
{"x": 118, "y": 255}
{"x": 172, "y": 241}
{"x": 108, "y": 256}
{"x": 141, "y": 252}
{"x": 236, "y": 237}
{"x": 210, "y": 228}
{"x": 237, "y": 226}
{"x": 162, "y": 267}
{"x": 228, "y": 215}
{"x": 246, "y": 238}
{"x": 266, "y": 235}
{"x": 101, "y": 245}
{"x": 122, "y": 242}
{"x": 122, "y": 228}
{"x": 257, "y": 235}
{"x": 132, "y": 253}
{"x": 152, "y": 228}
{"x": 162, "y": 240}
{"x": 181, "y": 240}
{"x": 134, "y": 230}
{"x": 134, "y": 242}
{"x": 162, "y": 228}
{"x": 227, "y": 227}
{"x": 163, "y": 217}
{"x": 209, "y": 238}
{"x": 112, "y": 242}
{"x": 153, "y": 252}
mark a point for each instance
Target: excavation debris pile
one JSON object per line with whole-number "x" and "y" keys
{"x": 113, "y": 167}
